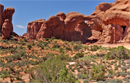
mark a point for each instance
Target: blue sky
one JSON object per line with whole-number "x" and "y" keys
{"x": 29, "y": 10}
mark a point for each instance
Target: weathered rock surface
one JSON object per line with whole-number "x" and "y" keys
{"x": 6, "y": 26}
{"x": 109, "y": 23}
{"x": 33, "y": 28}
{"x": 112, "y": 21}
{"x": 69, "y": 27}
{"x": 1, "y": 16}
{"x": 6, "y": 29}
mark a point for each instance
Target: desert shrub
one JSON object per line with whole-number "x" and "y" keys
{"x": 25, "y": 40}
{"x": 85, "y": 81}
{"x": 78, "y": 55}
{"x": 94, "y": 48}
{"x": 47, "y": 39}
{"x": 111, "y": 71}
{"x": 97, "y": 72}
{"x": 128, "y": 72}
{"x": 51, "y": 70}
{"x": 68, "y": 48}
{"x": 63, "y": 57}
{"x": 42, "y": 47}
{"x": 65, "y": 76}
{"x": 49, "y": 56}
{"x": 120, "y": 52}
{"x": 61, "y": 49}
{"x": 29, "y": 46}
{"x": 110, "y": 75}
{"x": 80, "y": 76}
{"x": 123, "y": 74}
{"x": 56, "y": 46}
{"x": 77, "y": 47}
{"x": 126, "y": 79}
{"x": 32, "y": 62}
{"x": 115, "y": 81}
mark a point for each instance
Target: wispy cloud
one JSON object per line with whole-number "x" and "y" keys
{"x": 20, "y": 26}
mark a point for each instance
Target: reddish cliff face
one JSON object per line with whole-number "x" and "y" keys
{"x": 1, "y": 16}
{"x": 7, "y": 29}
{"x": 6, "y": 26}
{"x": 33, "y": 28}
{"x": 69, "y": 27}
{"x": 111, "y": 22}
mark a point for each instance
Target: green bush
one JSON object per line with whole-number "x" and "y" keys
{"x": 65, "y": 76}
{"x": 56, "y": 46}
{"x": 29, "y": 46}
{"x": 77, "y": 47}
{"x": 97, "y": 72}
{"x": 94, "y": 48}
{"x": 120, "y": 52}
{"x": 85, "y": 81}
{"x": 78, "y": 55}
{"x": 68, "y": 48}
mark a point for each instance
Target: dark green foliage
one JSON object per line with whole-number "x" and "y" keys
{"x": 68, "y": 48}
{"x": 53, "y": 70}
{"x": 61, "y": 50}
{"x": 97, "y": 72}
{"x": 85, "y": 81}
{"x": 78, "y": 55}
{"x": 29, "y": 46}
{"x": 80, "y": 76}
{"x": 25, "y": 40}
{"x": 56, "y": 46}
{"x": 65, "y": 76}
{"x": 123, "y": 74}
{"x": 77, "y": 47}
{"x": 94, "y": 48}
{"x": 120, "y": 52}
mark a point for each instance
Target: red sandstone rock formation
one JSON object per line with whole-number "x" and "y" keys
{"x": 112, "y": 21}
{"x": 109, "y": 23}
{"x": 6, "y": 27}
{"x": 69, "y": 27}
{"x": 1, "y": 16}
{"x": 33, "y": 28}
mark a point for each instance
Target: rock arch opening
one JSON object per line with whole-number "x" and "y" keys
{"x": 124, "y": 28}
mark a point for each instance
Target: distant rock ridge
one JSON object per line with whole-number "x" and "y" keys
{"x": 6, "y": 26}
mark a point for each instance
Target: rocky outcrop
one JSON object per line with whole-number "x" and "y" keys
{"x": 1, "y": 16}
{"x": 53, "y": 27}
{"x": 6, "y": 26}
{"x": 33, "y": 28}
{"x": 109, "y": 23}
{"x": 70, "y": 27}
{"x": 112, "y": 21}
{"x": 6, "y": 29}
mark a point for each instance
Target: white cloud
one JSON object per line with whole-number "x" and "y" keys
{"x": 20, "y": 26}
